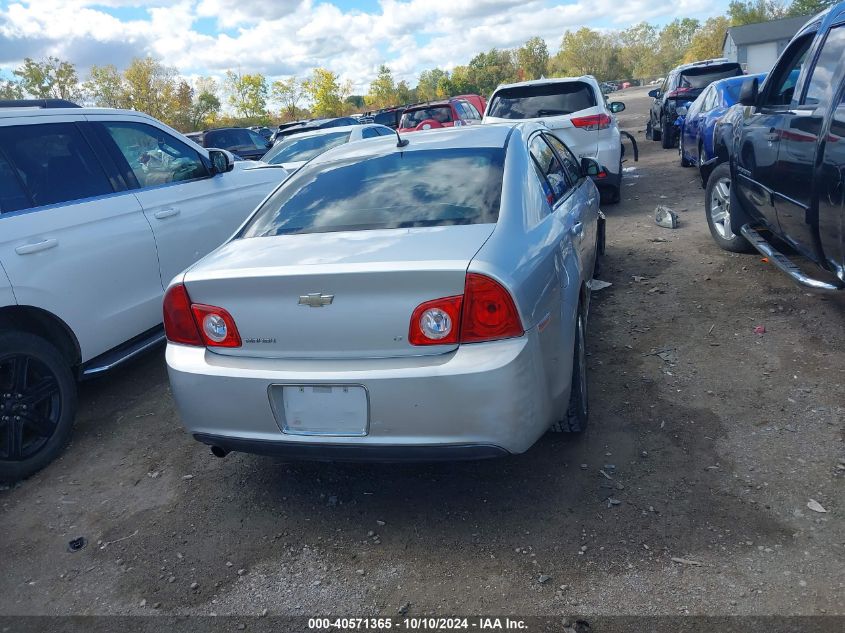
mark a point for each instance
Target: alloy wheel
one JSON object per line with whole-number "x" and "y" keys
{"x": 30, "y": 406}
{"x": 720, "y": 208}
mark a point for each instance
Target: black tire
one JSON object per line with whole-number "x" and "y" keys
{"x": 667, "y": 135}
{"x": 578, "y": 411}
{"x": 655, "y": 133}
{"x": 717, "y": 208}
{"x": 610, "y": 195}
{"x": 37, "y": 404}
{"x": 684, "y": 161}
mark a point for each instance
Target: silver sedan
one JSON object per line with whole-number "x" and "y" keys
{"x": 402, "y": 299}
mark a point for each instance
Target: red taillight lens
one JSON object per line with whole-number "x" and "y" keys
{"x": 676, "y": 92}
{"x": 489, "y": 312}
{"x": 592, "y": 122}
{"x": 197, "y": 324}
{"x": 485, "y": 312}
{"x": 216, "y": 326}
{"x": 436, "y": 322}
{"x": 179, "y": 324}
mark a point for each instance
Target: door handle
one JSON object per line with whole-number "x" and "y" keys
{"x": 169, "y": 212}
{"x": 43, "y": 245}
{"x": 577, "y": 230}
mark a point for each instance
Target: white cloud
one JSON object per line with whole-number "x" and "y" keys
{"x": 283, "y": 37}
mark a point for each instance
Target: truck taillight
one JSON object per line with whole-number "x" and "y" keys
{"x": 197, "y": 324}
{"x": 592, "y": 122}
{"x": 485, "y": 312}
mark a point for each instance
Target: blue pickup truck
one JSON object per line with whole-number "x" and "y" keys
{"x": 779, "y": 171}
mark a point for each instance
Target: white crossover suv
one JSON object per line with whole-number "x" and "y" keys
{"x": 99, "y": 210}
{"x": 574, "y": 109}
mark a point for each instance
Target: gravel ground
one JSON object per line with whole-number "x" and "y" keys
{"x": 688, "y": 494}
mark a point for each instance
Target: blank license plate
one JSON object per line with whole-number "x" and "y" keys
{"x": 325, "y": 410}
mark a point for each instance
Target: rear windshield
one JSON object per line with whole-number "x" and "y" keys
{"x": 399, "y": 190}
{"x": 231, "y": 139}
{"x": 300, "y": 148}
{"x": 412, "y": 118}
{"x": 529, "y": 102}
{"x": 700, "y": 78}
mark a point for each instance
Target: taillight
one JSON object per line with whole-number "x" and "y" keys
{"x": 485, "y": 312}
{"x": 489, "y": 312}
{"x": 677, "y": 92}
{"x": 592, "y": 122}
{"x": 195, "y": 323}
{"x": 217, "y": 327}
{"x": 436, "y": 322}
{"x": 179, "y": 324}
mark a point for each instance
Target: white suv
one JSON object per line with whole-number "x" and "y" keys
{"x": 99, "y": 210}
{"x": 574, "y": 108}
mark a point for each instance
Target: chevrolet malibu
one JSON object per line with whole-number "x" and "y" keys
{"x": 403, "y": 299}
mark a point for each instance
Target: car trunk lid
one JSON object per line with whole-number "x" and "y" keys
{"x": 334, "y": 295}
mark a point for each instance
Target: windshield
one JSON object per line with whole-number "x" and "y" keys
{"x": 397, "y": 190}
{"x": 530, "y": 102}
{"x": 301, "y": 148}
{"x": 700, "y": 78}
{"x": 412, "y": 118}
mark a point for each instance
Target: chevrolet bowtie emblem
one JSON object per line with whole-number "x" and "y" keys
{"x": 315, "y": 300}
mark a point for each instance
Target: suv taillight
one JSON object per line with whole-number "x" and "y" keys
{"x": 592, "y": 122}
{"x": 677, "y": 92}
{"x": 197, "y": 324}
{"x": 485, "y": 312}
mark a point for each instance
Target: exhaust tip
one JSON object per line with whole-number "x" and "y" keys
{"x": 219, "y": 452}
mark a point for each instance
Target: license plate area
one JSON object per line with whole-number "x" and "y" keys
{"x": 336, "y": 410}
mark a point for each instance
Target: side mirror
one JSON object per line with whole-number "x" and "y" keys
{"x": 221, "y": 161}
{"x": 616, "y": 106}
{"x": 268, "y": 144}
{"x": 749, "y": 92}
{"x": 654, "y": 94}
{"x": 589, "y": 167}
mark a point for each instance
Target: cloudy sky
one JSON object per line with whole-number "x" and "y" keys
{"x": 285, "y": 37}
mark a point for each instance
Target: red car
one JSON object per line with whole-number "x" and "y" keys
{"x": 453, "y": 112}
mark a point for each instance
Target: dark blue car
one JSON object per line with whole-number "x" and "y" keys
{"x": 696, "y": 145}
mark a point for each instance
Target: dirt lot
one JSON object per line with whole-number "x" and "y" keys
{"x": 688, "y": 493}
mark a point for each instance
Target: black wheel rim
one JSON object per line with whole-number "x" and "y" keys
{"x": 30, "y": 406}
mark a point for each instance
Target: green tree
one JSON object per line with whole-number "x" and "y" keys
{"x": 808, "y": 7}
{"x": 532, "y": 59}
{"x": 587, "y": 52}
{"x": 638, "y": 52}
{"x": 709, "y": 40}
{"x": 488, "y": 70}
{"x": 743, "y": 12}
{"x": 289, "y": 93}
{"x": 382, "y": 90}
{"x": 324, "y": 89}
{"x": 429, "y": 82}
{"x": 150, "y": 87}
{"x": 674, "y": 40}
{"x": 105, "y": 87}
{"x": 182, "y": 116}
{"x": 10, "y": 89}
{"x": 404, "y": 93}
{"x": 247, "y": 94}
{"x": 51, "y": 78}
{"x": 204, "y": 110}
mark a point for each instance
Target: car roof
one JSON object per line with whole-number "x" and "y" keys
{"x": 29, "y": 111}
{"x": 550, "y": 80}
{"x": 332, "y": 130}
{"x": 721, "y": 83}
{"x": 493, "y": 135}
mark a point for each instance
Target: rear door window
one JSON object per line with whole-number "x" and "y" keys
{"x": 529, "y": 102}
{"x": 54, "y": 162}
{"x": 13, "y": 196}
{"x": 553, "y": 176}
{"x": 567, "y": 158}
{"x": 418, "y": 188}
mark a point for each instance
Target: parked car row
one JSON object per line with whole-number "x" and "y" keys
{"x": 103, "y": 210}
{"x": 770, "y": 150}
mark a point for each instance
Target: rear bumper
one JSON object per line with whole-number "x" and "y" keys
{"x": 481, "y": 400}
{"x": 325, "y": 452}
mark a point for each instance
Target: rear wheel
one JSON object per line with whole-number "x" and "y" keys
{"x": 685, "y": 162}
{"x": 577, "y": 412}
{"x": 37, "y": 404}
{"x": 651, "y": 130}
{"x": 717, "y": 206}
